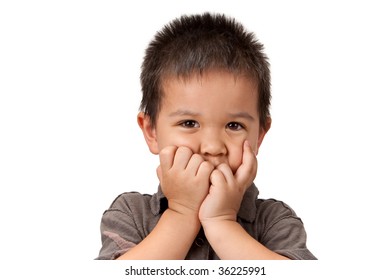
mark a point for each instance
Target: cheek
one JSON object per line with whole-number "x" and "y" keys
{"x": 178, "y": 141}
{"x": 235, "y": 157}
{"x": 236, "y": 152}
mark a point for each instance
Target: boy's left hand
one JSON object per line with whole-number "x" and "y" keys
{"x": 227, "y": 189}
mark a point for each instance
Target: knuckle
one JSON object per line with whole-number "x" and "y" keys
{"x": 197, "y": 157}
{"x": 184, "y": 149}
{"x": 167, "y": 151}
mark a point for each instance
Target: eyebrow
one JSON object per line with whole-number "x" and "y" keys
{"x": 243, "y": 115}
{"x": 184, "y": 113}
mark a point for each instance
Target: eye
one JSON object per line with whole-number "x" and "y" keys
{"x": 235, "y": 126}
{"x": 189, "y": 124}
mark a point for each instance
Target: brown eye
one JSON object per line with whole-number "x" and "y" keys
{"x": 189, "y": 124}
{"x": 235, "y": 126}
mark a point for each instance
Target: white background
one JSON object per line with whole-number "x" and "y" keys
{"x": 70, "y": 91}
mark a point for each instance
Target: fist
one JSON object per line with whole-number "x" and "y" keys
{"x": 184, "y": 178}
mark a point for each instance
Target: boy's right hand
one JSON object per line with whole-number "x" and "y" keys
{"x": 184, "y": 178}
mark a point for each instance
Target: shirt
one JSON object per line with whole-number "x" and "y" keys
{"x": 132, "y": 216}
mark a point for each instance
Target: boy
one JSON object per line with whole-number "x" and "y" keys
{"x": 205, "y": 112}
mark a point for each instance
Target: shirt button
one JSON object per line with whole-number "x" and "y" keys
{"x": 199, "y": 242}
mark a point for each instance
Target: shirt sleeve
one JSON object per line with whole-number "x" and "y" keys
{"x": 284, "y": 232}
{"x": 119, "y": 229}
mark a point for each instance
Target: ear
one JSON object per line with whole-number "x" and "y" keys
{"x": 263, "y": 132}
{"x": 149, "y": 132}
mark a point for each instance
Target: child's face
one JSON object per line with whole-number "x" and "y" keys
{"x": 212, "y": 115}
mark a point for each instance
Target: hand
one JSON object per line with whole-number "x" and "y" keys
{"x": 184, "y": 178}
{"x": 227, "y": 189}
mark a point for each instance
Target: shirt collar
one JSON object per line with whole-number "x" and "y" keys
{"x": 247, "y": 212}
{"x": 158, "y": 203}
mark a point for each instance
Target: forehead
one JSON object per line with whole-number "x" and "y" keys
{"x": 214, "y": 93}
{"x": 214, "y": 88}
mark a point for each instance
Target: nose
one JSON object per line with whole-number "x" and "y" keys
{"x": 212, "y": 146}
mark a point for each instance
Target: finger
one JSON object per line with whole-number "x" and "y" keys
{"x": 182, "y": 157}
{"x": 217, "y": 178}
{"x": 247, "y": 170}
{"x": 205, "y": 169}
{"x": 167, "y": 155}
{"x": 194, "y": 164}
{"x": 227, "y": 173}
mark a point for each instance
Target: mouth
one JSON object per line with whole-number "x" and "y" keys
{"x": 216, "y": 162}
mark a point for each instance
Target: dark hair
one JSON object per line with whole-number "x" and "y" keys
{"x": 196, "y": 43}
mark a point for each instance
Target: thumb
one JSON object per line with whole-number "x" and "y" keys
{"x": 246, "y": 172}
